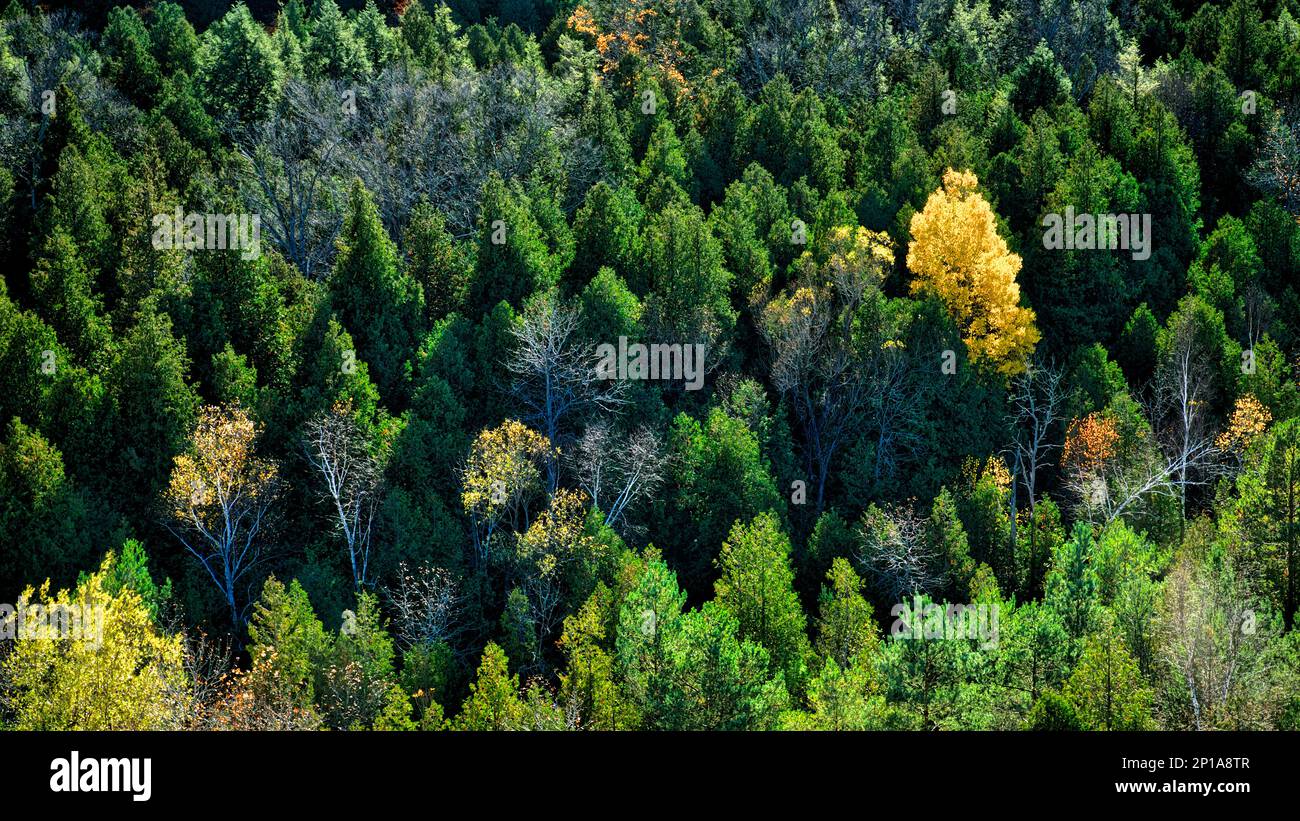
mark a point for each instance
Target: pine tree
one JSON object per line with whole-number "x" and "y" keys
{"x": 434, "y": 40}
{"x": 436, "y": 261}
{"x": 846, "y": 628}
{"x": 493, "y": 702}
{"x": 1072, "y": 582}
{"x": 1106, "y": 688}
{"x": 334, "y": 52}
{"x": 588, "y": 683}
{"x": 63, "y": 288}
{"x": 513, "y": 260}
{"x": 379, "y": 304}
{"x": 757, "y": 586}
{"x": 241, "y": 70}
{"x": 947, "y": 538}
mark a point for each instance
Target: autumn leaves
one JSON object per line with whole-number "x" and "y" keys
{"x": 955, "y": 255}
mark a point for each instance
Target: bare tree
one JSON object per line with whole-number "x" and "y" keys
{"x": 1122, "y": 484}
{"x": 1184, "y": 391}
{"x": 417, "y": 142}
{"x": 895, "y": 405}
{"x": 352, "y": 475}
{"x": 839, "y": 48}
{"x": 1276, "y": 171}
{"x": 412, "y": 139}
{"x": 207, "y": 666}
{"x": 1106, "y": 491}
{"x": 556, "y": 374}
{"x": 1218, "y": 648}
{"x": 1259, "y": 307}
{"x": 1036, "y": 402}
{"x": 299, "y": 162}
{"x": 619, "y": 471}
{"x": 427, "y": 605}
{"x": 895, "y": 553}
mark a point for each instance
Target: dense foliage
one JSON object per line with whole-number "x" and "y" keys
{"x": 388, "y": 458}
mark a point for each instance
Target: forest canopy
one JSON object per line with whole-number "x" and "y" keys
{"x": 650, "y": 364}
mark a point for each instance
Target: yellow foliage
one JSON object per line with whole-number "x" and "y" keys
{"x": 633, "y": 28}
{"x": 857, "y": 261}
{"x": 504, "y": 467}
{"x": 114, "y": 671}
{"x": 957, "y": 254}
{"x": 1250, "y": 418}
{"x": 557, "y": 536}
{"x": 1090, "y": 442}
{"x": 858, "y": 256}
{"x": 219, "y": 472}
{"x": 992, "y": 469}
{"x": 582, "y": 22}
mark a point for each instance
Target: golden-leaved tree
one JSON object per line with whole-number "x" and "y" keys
{"x": 502, "y": 478}
{"x": 219, "y": 498}
{"x": 957, "y": 254}
{"x": 94, "y": 661}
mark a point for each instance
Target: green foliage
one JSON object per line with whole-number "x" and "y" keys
{"x": 240, "y": 71}
{"x": 1072, "y": 585}
{"x": 288, "y": 646}
{"x": 380, "y": 305}
{"x": 45, "y": 514}
{"x": 757, "y": 586}
{"x": 718, "y": 477}
{"x": 433, "y": 40}
{"x": 513, "y": 258}
{"x": 741, "y": 179}
{"x": 334, "y": 51}
{"x": 1106, "y": 689}
{"x": 947, "y": 540}
{"x": 493, "y": 702}
{"x": 846, "y": 631}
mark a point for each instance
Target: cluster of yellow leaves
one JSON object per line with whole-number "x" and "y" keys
{"x": 990, "y": 469}
{"x": 219, "y": 468}
{"x": 582, "y": 22}
{"x": 957, "y": 254}
{"x": 1250, "y": 418}
{"x": 795, "y": 318}
{"x": 858, "y": 256}
{"x": 557, "y": 536}
{"x": 504, "y": 466}
{"x": 1090, "y": 442}
{"x": 118, "y": 672}
{"x": 856, "y": 260}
